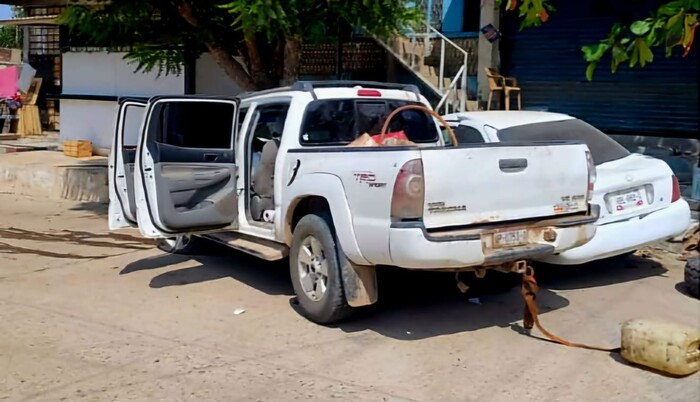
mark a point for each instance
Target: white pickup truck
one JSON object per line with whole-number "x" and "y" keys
{"x": 271, "y": 173}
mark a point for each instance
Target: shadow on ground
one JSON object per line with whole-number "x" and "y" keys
{"x": 217, "y": 262}
{"x": 82, "y": 238}
{"x": 682, "y": 288}
{"x": 412, "y": 305}
{"x": 417, "y": 305}
{"x": 598, "y": 273}
{"x": 95, "y": 208}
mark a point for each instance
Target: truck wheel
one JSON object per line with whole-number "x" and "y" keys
{"x": 692, "y": 276}
{"x": 182, "y": 244}
{"x": 314, "y": 266}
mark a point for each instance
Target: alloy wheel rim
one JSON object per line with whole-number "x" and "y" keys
{"x": 313, "y": 268}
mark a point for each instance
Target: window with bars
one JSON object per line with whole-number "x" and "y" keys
{"x": 44, "y": 40}
{"x": 44, "y": 54}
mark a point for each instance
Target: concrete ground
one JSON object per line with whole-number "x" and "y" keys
{"x": 87, "y": 315}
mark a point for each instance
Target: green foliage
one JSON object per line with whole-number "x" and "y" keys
{"x": 671, "y": 25}
{"x": 156, "y": 31}
{"x": 532, "y": 12}
{"x": 304, "y": 18}
{"x": 10, "y": 38}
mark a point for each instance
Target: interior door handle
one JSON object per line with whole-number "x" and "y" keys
{"x": 211, "y": 157}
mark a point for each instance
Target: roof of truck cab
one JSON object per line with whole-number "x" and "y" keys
{"x": 338, "y": 93}
{"x": 501, "y": 119}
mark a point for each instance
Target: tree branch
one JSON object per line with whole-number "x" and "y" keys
{"x": 221, "y": 56}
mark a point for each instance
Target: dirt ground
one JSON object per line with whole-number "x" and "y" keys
{"x": 88, "y": 315}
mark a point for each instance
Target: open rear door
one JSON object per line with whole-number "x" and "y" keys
{"x": 185, "y": 168}
{"x": 122, "y": 202}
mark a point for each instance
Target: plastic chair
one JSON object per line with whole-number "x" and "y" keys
{"x": 499, "y": 83}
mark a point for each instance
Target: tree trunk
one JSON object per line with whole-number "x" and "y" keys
{"x": 292, "y": 61}
{"x": 231, "y": 67}
{"x": 257, "y": 69}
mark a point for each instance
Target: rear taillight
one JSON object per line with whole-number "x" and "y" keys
{"x": 676, "y": 191}
{"x": 409, "y": 192}
{"x": 592, "y": 173}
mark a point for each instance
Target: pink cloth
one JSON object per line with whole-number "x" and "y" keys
{"x": 8, "y": 82}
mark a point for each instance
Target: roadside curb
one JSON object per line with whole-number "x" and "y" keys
{"x": 52, "y": 175}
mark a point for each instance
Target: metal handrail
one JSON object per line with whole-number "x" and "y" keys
{"x": 449, "y": 91}
{"x": 460, "y": 77}
{"x": 461, "y": 74}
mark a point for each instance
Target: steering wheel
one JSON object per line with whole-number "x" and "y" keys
{"x": 424, "y": 109}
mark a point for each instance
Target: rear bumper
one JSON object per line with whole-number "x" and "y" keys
{"x": 621, "y": 237}
{"x": 411, "y": 246}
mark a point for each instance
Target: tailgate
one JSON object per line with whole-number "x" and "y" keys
{"x": 495, "y": 183}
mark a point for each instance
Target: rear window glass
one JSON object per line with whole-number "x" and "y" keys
{"x": 467, "y": 135}
{"x": 339, "y": 122}
{"x": 603, "y": 148}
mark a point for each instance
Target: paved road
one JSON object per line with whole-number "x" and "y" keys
{"x": 85, "y": 315}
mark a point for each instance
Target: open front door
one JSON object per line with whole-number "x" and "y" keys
{"x": 185, "y": 167}
{"x": 122, "y": 202}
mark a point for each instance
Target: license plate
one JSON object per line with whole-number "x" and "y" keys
{"x": 628, "y": 200}
{"x": 510, "y": 238}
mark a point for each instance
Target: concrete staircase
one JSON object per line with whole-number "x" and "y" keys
{"x": 438, "y": 62}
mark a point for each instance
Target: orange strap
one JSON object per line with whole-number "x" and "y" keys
{"x": 529, "y": 290}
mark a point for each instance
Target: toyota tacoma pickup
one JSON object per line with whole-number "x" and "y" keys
{"x": 274, "y": 174}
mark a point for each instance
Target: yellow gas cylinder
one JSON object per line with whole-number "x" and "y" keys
{"x": 668, "y": 347}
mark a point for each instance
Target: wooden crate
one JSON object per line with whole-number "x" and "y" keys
{"x": 77, "y": 149}
{"x": 29, "y": 119}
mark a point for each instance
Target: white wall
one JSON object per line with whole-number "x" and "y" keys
{"x": 88, "y": 120}
{"x": 102, "y": 73}
{"x": 211, "y": 79}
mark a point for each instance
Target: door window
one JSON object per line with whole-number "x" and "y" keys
{"x": 193, "y": 124}
{"x": 131, "y": 125}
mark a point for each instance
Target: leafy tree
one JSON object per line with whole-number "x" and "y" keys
{"x": 9, "y": 38}
{"x": 256, "y": 42}
{"x": 670, "y": 26}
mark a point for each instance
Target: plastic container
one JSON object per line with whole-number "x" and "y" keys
{"x": 668, "y": 347}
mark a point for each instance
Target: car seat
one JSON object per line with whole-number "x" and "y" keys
{"x": 263, "y": 177}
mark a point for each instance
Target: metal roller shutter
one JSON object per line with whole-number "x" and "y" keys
{"x": 660, "y": 99}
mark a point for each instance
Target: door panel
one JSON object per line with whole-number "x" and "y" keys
{"x": 186, "y": 166}
{"x": 122, "y": 202}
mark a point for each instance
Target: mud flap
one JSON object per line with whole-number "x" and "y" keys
{"x": 359, "y": 283}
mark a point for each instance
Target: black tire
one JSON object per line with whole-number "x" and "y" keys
{"x": 692, "y": 276}
{"x": 331, "y": 306}
{"x": 183, "y": 245}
